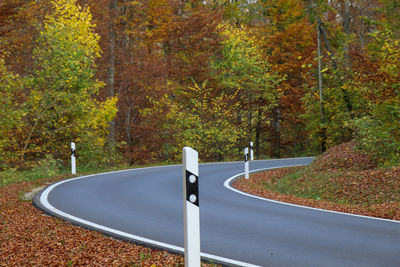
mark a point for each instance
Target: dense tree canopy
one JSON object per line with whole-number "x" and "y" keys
{"x": 141, "y": 79}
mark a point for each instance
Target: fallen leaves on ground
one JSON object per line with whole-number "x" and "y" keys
{"x": 28, "y": 237}
{"x": 342, "y": 179}
{"x": 345, "y": 156}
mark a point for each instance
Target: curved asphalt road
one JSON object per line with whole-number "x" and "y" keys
{"x": 146, "y": 205}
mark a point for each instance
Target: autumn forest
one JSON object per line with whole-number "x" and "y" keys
{"x": 136, "y": 81}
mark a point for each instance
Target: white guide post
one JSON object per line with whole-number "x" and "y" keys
{"x": 191, "y": 212}
{"x": 246, "y": 163}
{"x": 73, "y": 159}
{"x": 251, "y": 151}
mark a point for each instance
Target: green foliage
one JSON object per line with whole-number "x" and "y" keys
{"x": 45, "y": 168}
{"x": 94, "y": 153}
{"x": 292, "y": 184}
{"x": 10, "y": 176}
{"x": 63, "y": 85}
{"x": 242, "y": 67}
{"x": 67, "y": 49}
{"x": 381, "y": 136}
{"x": 11, "y": 113}
{"x": 240, "y": 11}
{"x": 206, "y": 123}
{"x": 378, "y": 130}
{"x": 259, "y": 62}
{"x": 391, "y": 9}
{"x": 336, "y": 114}
{"x": 92, "y": 141}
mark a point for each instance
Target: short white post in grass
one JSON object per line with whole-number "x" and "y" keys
{"x": 191, "y": 212}
{"x": 246, "y": 163}
{"x": 73, "y": 159}
{"x": 251, "y": 151}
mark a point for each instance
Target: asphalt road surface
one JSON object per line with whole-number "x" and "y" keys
{"x": 145, "y": 206}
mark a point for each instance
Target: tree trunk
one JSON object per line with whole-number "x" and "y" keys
{"x": 250, "y": 114}
{"x": 346, "y": 28}
{"x": 276, "y": 144}
{"x": 129, "y": 139}
{"x": 239, "y": 122}
{"x": 37, "y": 119}
{"x": 362, "y": 28}
{"x": 321, "y": 105}
{"x": 321, "y": 102}
{"x": 167, "y": 52}
{"x": 258, "y": 134}
{"x": 111, "y": 67}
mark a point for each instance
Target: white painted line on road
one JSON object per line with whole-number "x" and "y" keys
{"x": 231, "y": 179}
{"x": 44, "y": 201}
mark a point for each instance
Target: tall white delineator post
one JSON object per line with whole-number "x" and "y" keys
{"x": 73, "y": 159}
{"x": 251, "y": 151}
{"x": 191, "y": 212}
{"x": 246, "y": 163}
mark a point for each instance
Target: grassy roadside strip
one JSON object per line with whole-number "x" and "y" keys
{"x": 49, "y": 168}
{"x": 343, "y": 179}
{"x": 28, "y": 237}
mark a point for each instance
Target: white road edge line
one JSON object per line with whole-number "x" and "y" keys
{"x": 44, "y": 201}
{"x": 228, "y": 186}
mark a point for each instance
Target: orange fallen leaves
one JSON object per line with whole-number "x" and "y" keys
{"x": 389, "y": 210}
{"x": 353, "y": 184}
{"x": 28, "y": 237}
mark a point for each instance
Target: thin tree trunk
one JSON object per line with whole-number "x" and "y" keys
{"x": 250, "y": 118}
{"x": 321, "y": 105}
{"x": 276, "y": 145}
{"x": 128, "y": 126}
{"x": 167, "y": 51}
{"x": 362, "y": 28}
{"x": 239, "y": 122}
{"x": 321, "y": 102}
{"x": 346, "y": 28}
{"x": 38, "y": 118}
{"x": 258, "y": 134}
{"x": 111, "y": 67}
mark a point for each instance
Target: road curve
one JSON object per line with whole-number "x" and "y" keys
{"x": 145, "y": 206}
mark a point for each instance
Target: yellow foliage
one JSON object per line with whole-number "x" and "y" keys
{"x": 61, "y": 104}
{"x": 204, "y": 122}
